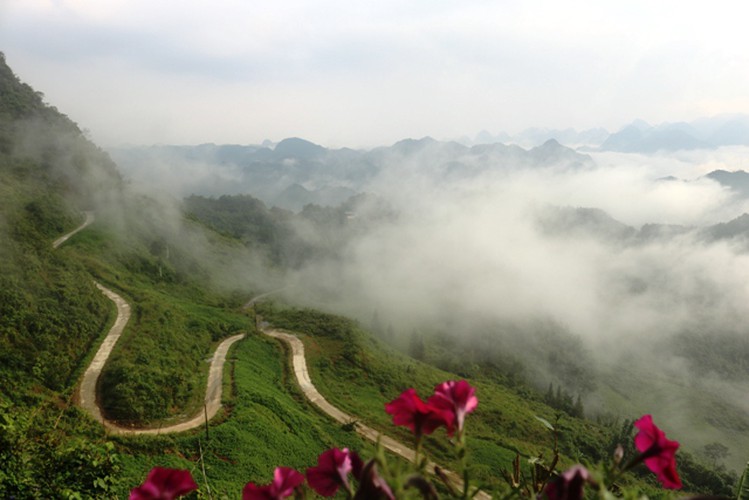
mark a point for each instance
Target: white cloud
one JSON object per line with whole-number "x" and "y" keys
{"x": 391, "y": 69}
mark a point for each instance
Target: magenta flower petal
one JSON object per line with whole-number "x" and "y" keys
{"x": 569, "y": 485}
{"x": 285, "y": 481}
{"x": 372, "y": 486}
{"x": 458, "y": 398}
{"x": 422, "y": 418}
{"x": 332, "y": 470}
{"x": 164, "y": 484}
{"x": 659, "y": 453}
{"x": 251, "y": 491}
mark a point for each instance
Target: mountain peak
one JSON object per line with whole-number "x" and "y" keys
{"x": 551, "y": 143}
{"x": 298, "y": 148}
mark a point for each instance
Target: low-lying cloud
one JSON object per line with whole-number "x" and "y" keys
{"x": 468, "y": 252}
{"x": 613, "y": 255}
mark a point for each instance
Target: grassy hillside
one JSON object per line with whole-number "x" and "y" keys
{"x": 186, "y": 285}
{"x": 52, "y": 316}
{"x": 185, "y": 290}
{"x": 359, "y": 374}
{"x": 157, "y": 371}
{"x": 50, "y": 312}
{"x": 269, "y": 424}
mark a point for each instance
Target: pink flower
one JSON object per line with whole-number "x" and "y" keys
{"x": 164, "y": 484}
{"x": 333, "y": 468}
{"x": 422, "y": 418}
{"x": 569, "y": 485}
{"x": 658, "y": 453}
{"x": 285, "y": 481}
{"x": 458, "y": 398}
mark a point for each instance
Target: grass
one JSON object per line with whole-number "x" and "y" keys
{"x": 359, "y": 374}
{"x": 270, "y": 424}
{"x": 157, "y": 371}
{"x": 687, "y": 409}
{"x": 176, "y": 323}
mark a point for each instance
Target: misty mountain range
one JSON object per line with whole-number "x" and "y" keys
{"x": 297, "y": 172}
{"x": 637, "y": 137}
{"x": 594, "y": 223}
{"x": 598, "y": 224}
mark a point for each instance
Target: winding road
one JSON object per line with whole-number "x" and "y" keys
{"x": 87, "y": 390}
{"x": 62, "y": 239}
{"x": 299, "y": 364}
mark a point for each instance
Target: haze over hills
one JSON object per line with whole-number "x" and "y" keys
{"x": 636, "y": 137}
{"x": 297, "y": 172}
{"x": 517, "y": 267}
{"x": 532, "y": 246}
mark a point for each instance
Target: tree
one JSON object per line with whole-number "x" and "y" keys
{"x": 416, "y": 348}
{"x": 578, "y": 410}
{"x": 715, "y": 452}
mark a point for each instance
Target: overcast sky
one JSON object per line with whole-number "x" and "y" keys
{"x": 363, "y": 73}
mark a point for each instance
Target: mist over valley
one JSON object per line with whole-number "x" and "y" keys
{"x": 234, "y": 236}
{"x": 622, "y": 276}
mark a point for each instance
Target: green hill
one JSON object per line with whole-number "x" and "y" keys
{"x": 50, "y": 312}
{"x": 186, "y": 284}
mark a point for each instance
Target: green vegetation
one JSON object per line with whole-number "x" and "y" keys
{"x": 50, "y": 312}
{"x": 185, "y": 297}
{"x": 48, "y": 449}
{"x": 186, "y": 294}
{"x": 247, "y": 219}
{"x": 270, "y": 424}
{"x": 728, "y": 358}
{"x": 52, "y": 316}
{"x": 359, "y": 374}
{"x": 159, "y": 369}
{"x": 283, "y": 238}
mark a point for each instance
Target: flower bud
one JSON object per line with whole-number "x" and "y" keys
{"x": 618, "y": 454}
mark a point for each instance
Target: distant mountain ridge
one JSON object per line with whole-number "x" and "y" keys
{"x": 636, "y": 137}
{"x": 296, "y": 171}
{"x": 737, "y": 181}
{"x": 705, "y": 133}
{"x": 596, "y": 224}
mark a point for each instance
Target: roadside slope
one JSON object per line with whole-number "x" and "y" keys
{"x": 299, "y": 365}
{"x": 87, "y": 394}
{"x": 87, "y": 389}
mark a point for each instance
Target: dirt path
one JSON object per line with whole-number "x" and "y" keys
{"x": 62, "y": 239}
{"x": 299, "y": 364}
{"x": 87, "y": 390}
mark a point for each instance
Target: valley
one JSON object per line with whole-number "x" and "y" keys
{"x": 411, "y": 265}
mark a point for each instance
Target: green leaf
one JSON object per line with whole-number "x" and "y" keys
{"x": 742, "y": 490}
{"x": 546, "y": 423}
